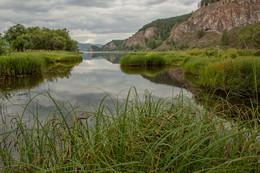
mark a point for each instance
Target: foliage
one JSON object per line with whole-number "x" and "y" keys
{"x": 164, "y": 26}
{"x": 225, "y": 38}
{"x": 200, "y": 33}
{"x": 118, "y": 43}
{"x": 3, "y": 46}
{"x": 131, "y": 135}
{"x": 153, "y": 43}
{"x": 231, "y": 70}
{"x": 170, "y": 42}
{"x": 240, "y": 76}
{"x": 32, "y": 62}
{"x": 96, "y": 48}
{"x": 34, "y": 38}
{"x": 247, "y": 37}
{"x": 149, "y": 59}
{"x": 204, "y": 3}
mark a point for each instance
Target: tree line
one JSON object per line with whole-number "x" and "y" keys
{"x": 20, "y": 38}
{"x": 204, "y": 3}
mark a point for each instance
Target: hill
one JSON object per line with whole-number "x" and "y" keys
{"x": 150, "y": 35}
{"x": 84, "y": 47}
{"x": 213, "y": 25}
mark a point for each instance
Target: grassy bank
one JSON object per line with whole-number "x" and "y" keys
{"x": 235, "y": 71}
{"x": 33, "y": 62}
{"x": 135, "y": 135}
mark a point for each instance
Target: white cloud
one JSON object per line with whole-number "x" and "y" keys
{"x": 97, "y": 21}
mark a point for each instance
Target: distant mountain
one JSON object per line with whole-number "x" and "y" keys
{"x": 84, "y": 47}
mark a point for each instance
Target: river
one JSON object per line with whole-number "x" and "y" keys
{"x": 85, "y": 83}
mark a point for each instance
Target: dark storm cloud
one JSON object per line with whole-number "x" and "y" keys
{"x": 98, "y": 21}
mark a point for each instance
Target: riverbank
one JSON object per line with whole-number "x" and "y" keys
{"x": 229, "y": 71}
{"x": 33, "y": 62}
{"x": 131, "y": 135}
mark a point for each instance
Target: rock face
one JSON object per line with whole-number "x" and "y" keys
{"x": 220, "y": 16}
{"x": 139, "y": 37}
{"x": 110, "y": 45}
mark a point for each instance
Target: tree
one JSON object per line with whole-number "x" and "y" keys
{"x": 3, "y": 46}
{"x": 34, "y": 38}
{"x": 13, "y": 32}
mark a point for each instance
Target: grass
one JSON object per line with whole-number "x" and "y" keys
{"x": 232, "y": 70}
{"x": 137, "y": 134}
{"x": 33, "y": 62}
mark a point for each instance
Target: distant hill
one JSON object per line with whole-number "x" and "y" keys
{"x": 150, "y": 35}
{"x": 216, "y": 24}
{"x": 84, "y": 47}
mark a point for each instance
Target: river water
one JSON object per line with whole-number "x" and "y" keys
{"x": 87, "y": 82}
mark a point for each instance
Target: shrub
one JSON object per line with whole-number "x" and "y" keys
{"x": 225, "y": 38}
{"x": 200, "y": 33}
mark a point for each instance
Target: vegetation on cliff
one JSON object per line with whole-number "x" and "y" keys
{"x": 204, "y": 3}
{"x": 163, "y": 28}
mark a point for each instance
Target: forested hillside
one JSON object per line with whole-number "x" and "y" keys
{"x": 162, "y": 32}
{"x": 164, "y": 26}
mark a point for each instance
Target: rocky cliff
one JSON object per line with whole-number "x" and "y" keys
{"x": 139, "y": 37}
{"x": 220, "y": 16}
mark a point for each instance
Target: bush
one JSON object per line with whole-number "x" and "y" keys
{"x": 225, "y": 38}
{"x": 200, "y": 33}
{"x": 233, "y": 55}
{"x": 257, "y": 53}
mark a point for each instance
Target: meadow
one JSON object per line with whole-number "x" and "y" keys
{"x": 134, "y": 134}
{"x": 33, "y": 62}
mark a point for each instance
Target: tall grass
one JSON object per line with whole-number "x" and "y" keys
{"x": 20, "y": 65}
{"x": 150, "y": 59}
{"x": 33, "y": 62}
{"x": 138, "y": 134}
{"x": 232, "y": 70}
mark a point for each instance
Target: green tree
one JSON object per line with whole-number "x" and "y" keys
{"x": 3, "y": 46}
{"x": 13, "y": 32}
{"x": 34, "y": 38}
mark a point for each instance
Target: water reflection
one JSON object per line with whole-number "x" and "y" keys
{"x": 51, "y": 73}
{"x": 146, "y": 70}
{"x": 113, "y": 57}
{"x": 85, "y": 83}
{"x": 167, "y": 75}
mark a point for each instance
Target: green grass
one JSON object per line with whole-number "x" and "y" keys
{"x": 233, "y": 71}
{"x": 139, "y": 134}
{"x": 33, "y": 62}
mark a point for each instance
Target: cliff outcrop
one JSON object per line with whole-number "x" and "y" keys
{"x": 139, "y": 37}
{"x": 220, "y": 16}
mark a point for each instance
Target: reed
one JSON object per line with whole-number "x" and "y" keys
{"x": 33, "y": 62}
{"x": 137, "y": 134}
{"x": 232, "y": 70}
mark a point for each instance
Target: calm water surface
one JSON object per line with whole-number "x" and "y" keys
{"x": 87, "y": 82}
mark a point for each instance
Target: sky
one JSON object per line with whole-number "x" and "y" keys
{"x": 91, "y": 21}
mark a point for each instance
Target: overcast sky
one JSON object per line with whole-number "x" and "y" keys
{"x": 91, "y": 21}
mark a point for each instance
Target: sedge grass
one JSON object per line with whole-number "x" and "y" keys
{"x": 33, "y": 62}
{"x": 138, "y": 134}
{"x": 231, "y": 70}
